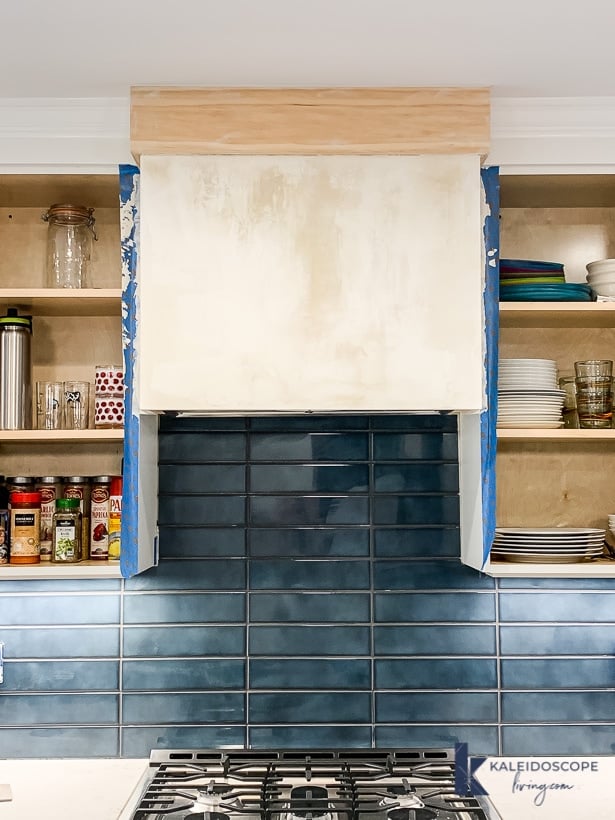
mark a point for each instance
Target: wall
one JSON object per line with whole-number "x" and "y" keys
{"x": 309, "y": 593}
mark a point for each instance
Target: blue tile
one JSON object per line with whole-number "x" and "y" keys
{"x": 550, "y": 606}
{"x": 309, "y": 640}
{"x": 306, "y": 478}
{"x": 197, "y": 575}
{"x": 556, "y": 640}
{"x": 98, "y": 642}
{"x": 415, "y": 422}
{"x": 59, "y": 609}
{"x": 443, "y": 673}
{"x": 310, "y": 737}
{"x": 425, "y": 541}
{"x": 558, "y": 673}
{"x": 38, "y": 710}
{"x": 443, "y": 573}
{"x": 183, "y": 641}
{"x": 557, "y": 707}
{"x": 90, "y": 586}
{"x": 201, "y": 423}
{"x": 267, "y": 511}
{"x": 309, "y": 447}
{"x": 413, "y": 446}
{"x": 310, "y": 674}
{"x": 181, "y": 609}
{"x": 416, "y": 509}
{"x": 183, "y": 673}
{"x": 309, "y": 423}
{"x": 434, "y": 640}
{"x": 64, "y": 676}
{"x": 416, "y": 478}
{"x": 414, "y": 606}
{"x": 223, "y": 510}
{"x": 310, "y": 707}
{"x": 202, "y": 542}
{"x": 309, "y": 543}
{"x": 139, "y": 741}
{"x": 481, "y": 740}
{"x": 211, "y": 707}
{"x": 186, "y": 448}
{"x": 309, "y": 608}
{"x": 439, "y": 707}
{"x": 299, "y": 574}
{"x": 62, "y": 742}
{"x": 202, "y": 478}
{"x": 558, "y": 740}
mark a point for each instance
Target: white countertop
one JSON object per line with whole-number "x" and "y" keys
{"x": 59, "y": 789}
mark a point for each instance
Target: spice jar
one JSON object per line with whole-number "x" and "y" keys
{"x": 50, "y": 488}
{"x": 25, "y": 528}
{"x": 99, "y": 516}
{"x": 115, "y": 518}
{"x": 78, "y": 486}
{"x": 66, "y": 532}
{"x": 69, "y": 245}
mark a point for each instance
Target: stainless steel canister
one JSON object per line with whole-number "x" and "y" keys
{"x": 15, "y": 371}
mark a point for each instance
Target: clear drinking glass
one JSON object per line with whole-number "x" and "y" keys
{"x": 49, "y": 405}
{"x": 593, "y": 387}
{"x": 76, "y": 405}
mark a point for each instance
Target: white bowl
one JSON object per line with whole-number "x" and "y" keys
{"x": 601, "y": 266}
{"x": 604, "y": 290}
{"x": 601, "y": 277}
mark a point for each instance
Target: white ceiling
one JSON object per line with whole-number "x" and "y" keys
{"x": 66, "y": 48}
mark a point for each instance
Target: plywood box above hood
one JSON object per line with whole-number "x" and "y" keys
{"x": 338, "y": 283}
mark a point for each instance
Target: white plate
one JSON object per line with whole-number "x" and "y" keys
{"x": 551, "y": 530}
{"x": 533, "y": 425}
{"x": 509, "y": 361}
{"x": 550, "y": 394}
{"x": 582, "y": 540}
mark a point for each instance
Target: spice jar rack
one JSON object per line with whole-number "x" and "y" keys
{"x": 73, "y": 331}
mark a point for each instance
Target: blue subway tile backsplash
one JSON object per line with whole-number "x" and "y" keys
{"x": 309, "y": 594}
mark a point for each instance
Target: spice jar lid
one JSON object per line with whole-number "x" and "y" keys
{"x": 101, "y": 479}
{"x": 67, "y": 504}
{"x": 25, "y": 498}
{"x": 77, "y": 479}
{"x": 49, "y": 479}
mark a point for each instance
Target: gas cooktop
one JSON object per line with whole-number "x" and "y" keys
{"x": 377, "y": 784}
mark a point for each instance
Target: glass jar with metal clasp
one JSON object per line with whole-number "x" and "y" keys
{"x": 69, "y": 245}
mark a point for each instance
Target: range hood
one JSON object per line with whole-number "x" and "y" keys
{"x": 331, "y": 283}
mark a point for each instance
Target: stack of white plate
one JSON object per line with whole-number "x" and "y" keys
{"x": 528, "y": 395}
{"x": 544, "y": 545}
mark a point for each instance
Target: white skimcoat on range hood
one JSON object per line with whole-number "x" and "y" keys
{"x": 327, "y": 284}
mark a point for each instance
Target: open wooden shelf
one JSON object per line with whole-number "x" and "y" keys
{"x": 557, "y": 314}
{"x": 61, "y": 436}
{"x": 64, "y": 301}
{"x": 48, "y": 571}
{"x": 557, "y": 434}
{"x": 601, "y": 568}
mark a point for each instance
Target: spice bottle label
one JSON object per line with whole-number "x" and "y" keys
{"x": 25, "y": 533}
{"x": 66, "y": 545}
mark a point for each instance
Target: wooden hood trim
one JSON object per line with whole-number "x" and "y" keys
{"x": 309, "y": 121}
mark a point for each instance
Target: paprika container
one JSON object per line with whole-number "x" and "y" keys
{"x": 69, "y": 245}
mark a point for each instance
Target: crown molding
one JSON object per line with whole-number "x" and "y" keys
{"x": 538, "y": 134}
{"x": 56, "y": 135}
{"x": 92, "y": 134}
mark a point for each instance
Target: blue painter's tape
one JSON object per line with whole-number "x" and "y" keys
{"x": 488, "y": 436}
{"x": 129, "y": 223}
